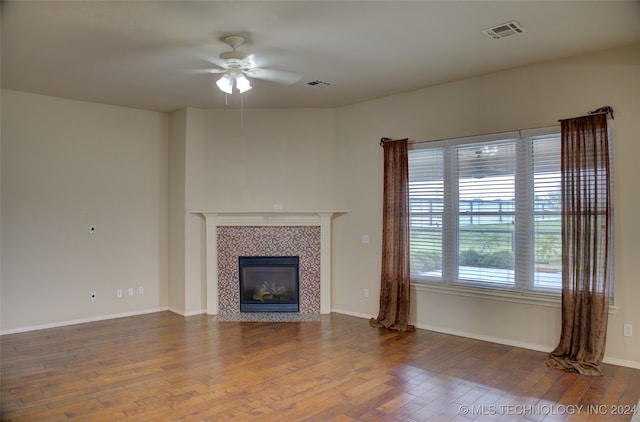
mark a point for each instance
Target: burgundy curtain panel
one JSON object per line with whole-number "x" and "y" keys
{"x": 395, "y": 279}
{"x": 586, "y": 237}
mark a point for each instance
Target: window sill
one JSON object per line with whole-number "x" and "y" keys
{"x": 528, "y": 299}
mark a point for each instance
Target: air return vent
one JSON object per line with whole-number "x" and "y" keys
{"x": 318, "y": 83}
{"x": 504, "y": 30}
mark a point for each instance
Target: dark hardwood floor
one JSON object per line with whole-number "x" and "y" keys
{"x": 165, "y": 367}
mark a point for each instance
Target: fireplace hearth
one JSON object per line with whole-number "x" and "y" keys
{"x": 269, "y": 283}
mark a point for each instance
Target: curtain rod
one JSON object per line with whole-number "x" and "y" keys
{"x": 601, "y": 110}
{"x": 414, "y": 141}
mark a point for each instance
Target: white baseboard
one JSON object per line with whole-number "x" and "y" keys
{"x": 474, "y": 336}
{"x": 491, "y": 339}
{"x": 498, "y": 340}
{"x": 622, "y": 362}
{"x": 354, "y": 314}
{"x": 187, "y": 314}
{"x": 514, "y": 343}
{"x": 453, "y": 332}
{"x": 81, "y": 321}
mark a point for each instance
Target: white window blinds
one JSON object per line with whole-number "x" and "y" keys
{"x": 485, "y": 211}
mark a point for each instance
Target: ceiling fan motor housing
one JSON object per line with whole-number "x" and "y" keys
{"x": 233, "y": 55}
{"x": 234, "y": 41}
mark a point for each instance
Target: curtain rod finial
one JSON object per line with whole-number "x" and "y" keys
{"x": 605, "y": 109}
{"x": 383, "y": 140}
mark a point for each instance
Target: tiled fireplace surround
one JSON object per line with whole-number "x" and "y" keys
{"x": 306, "y": 234}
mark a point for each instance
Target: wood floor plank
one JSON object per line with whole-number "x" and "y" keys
{"x": 162, "y": 367}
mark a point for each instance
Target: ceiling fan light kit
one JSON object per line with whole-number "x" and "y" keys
{"x": 238, "y": 67}
{"x": 225, "y": 83}
{"x": 242, "y": 83}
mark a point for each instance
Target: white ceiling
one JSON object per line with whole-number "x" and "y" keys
{"x": 141, "y": 54}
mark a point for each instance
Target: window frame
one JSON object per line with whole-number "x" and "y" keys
{"x": 524, "y": 278}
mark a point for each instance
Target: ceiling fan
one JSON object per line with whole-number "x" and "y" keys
{"x": 237, "y": 67}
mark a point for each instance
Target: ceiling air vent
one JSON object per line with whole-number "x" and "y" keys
{"x": 504, "y": 30}
{"x": 318, "y": 83}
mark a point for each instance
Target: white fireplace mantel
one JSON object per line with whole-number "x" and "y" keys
{"x": 322, "y": 218}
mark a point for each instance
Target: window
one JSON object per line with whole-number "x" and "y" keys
{"x": 485, "y": 212}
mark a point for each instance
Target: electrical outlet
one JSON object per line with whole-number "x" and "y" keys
{"x": 119, "y": 293}
{"x": 628, "y": 330}
{"x": 277, "y": 206}
{"x": 365, "y": 238}
{"x": 130, "y": 291}
{"x": 141, "y": 290}
{"x": 92, "y": 296}
{"x": 366, "y": 293}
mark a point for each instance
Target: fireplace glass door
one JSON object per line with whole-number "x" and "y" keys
{"x": 269, "y": 283}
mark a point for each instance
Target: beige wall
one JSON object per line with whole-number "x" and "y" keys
{"x": 65, "y": 166}
{"x": 270, "y": 157}
{"x": 533, "y": 96}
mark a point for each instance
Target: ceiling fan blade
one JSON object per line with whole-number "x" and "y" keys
{"x": 252, "y": 60}
{"x": 205, "y": 71}
{"x": 278, "y": 76}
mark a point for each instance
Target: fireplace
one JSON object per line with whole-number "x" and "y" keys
{"x": 230, "y": 234}
{"x": 269, "y": 283}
